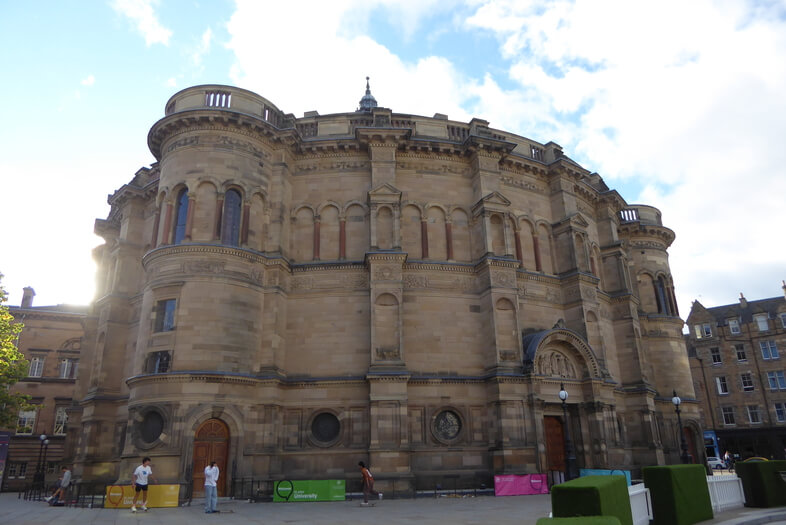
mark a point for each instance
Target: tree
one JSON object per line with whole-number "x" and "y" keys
{"x": 13, "y": 365}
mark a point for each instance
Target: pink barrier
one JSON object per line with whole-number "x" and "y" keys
{"x": 520, "y": 485}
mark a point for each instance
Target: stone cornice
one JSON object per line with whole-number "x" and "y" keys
{"x": 211, "y": 249}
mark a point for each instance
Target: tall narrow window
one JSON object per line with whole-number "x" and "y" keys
{"x": 723, "y": 386}
{"x": 230, "y": 220}
{"x": 716, "y": 355}
{"x": 753, "y": 414}
{"x": 783, "y": 320}
{"x": 26, "y": 422}
{"x": 165, "y": 315}
{"x": 61, "y": 418}
{"x": 36, "y": 367}
{"x": 728, "y": 415}
{"x": 747, "y": 381}
{"x": 780, "y": 412}
{"x": 762, "y": 322}
{"x": 68, "y": 368}
{"x": 741, "y": 355}
{"x": 769, "y": 350}
{"x": 181, "y": 216}
{"x": 157, "y": 362}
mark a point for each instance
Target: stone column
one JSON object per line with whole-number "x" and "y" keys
{"x": 167, "y": 237}
{"x": 190, "y": 216}
{"x": 342, "y": 238}
{"x": 219, "y": 210}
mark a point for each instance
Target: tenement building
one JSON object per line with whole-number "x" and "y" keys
{"x": 738, "y": 362}
{"x": 51, "y": 342}
{"x": 288, "y": 296}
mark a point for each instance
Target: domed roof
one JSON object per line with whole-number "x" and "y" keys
{"x": 368, "y": 102}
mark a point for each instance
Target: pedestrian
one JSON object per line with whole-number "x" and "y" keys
{"x": 139, "y": 479}
{"x": 727, "y": 459}
{"x": 211, "y": 489}
{"x": 62, "y": 486}
{"x": 368, "y": 483}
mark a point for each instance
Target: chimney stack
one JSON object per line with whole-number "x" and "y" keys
{"x": 27, "y": 297}
{"x": 783, "y": 287}
{"x": 743, "y": 301}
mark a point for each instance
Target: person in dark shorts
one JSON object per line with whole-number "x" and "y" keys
{"x": 141, "y": 474}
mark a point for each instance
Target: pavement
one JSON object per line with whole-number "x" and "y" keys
{"x": 481, "y": 510}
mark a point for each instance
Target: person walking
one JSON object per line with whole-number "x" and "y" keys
{"x": 368, "y": 484}
{"x": 211, "y": 488}
{"x": 139, "y": 479}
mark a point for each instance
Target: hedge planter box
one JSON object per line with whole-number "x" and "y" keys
{"x": 592, "y": 497}
{"x": 581, "y": 520}
{"x": 680, "y": 495}
{"x": 762, "y": 483}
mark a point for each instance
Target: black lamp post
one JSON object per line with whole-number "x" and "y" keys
{"x": 677, "y": 401}
{"x": 38, "y": 478}
{"x": 43, "y": 464}
{"x": 570, "y": 455}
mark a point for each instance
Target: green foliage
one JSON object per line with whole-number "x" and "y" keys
{"x": 762, "y": 482}
{"x": 593, "y": 496}
{"x": 13, "y": 366}
{"x": 680, "y": 494}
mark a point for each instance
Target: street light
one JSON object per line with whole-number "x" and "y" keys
{"x": 677, "y": 401}
{"x": 570, "y": 455}
{"x": 38, "y": 478}
{"x": 43, "y": 464}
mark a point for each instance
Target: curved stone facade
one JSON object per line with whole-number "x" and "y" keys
{"x": 405, "y": 290}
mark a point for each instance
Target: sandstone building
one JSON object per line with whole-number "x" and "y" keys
{"x": 292, "y": 295}
{"x": 51, "y": 341}
{"x": 737, "y": 361}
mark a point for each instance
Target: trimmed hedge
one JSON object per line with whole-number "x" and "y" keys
{"x": 680, "y": 495}
{"x": 593, "y": 496}
{"x": 761, "y": 483}
{"x": 581, "y": 520}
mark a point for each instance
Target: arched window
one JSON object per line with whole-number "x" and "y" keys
{"x": 180, "y": 216}
{"x": 230, "y": 220}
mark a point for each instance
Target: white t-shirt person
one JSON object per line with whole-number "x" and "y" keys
{"x": 211, "y": 476}
{"x": 141, "y": 473}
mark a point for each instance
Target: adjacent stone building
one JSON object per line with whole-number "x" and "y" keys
{"x": 737, "y": 360}
{"x": 289, "y": 296}
{"x": 51, "y": 341}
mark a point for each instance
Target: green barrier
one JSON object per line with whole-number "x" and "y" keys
{"x": 680, "y": 495}
{"x": 593, "y": 496}
{"x": 762, "y": 483}
{"x": 581, "y": 520}
{"x": 310, "y": 490}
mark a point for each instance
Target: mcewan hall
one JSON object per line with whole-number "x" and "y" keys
{"x": 288, "y": 296}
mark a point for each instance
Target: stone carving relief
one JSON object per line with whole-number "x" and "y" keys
{"x": 415, "y": 281}
{"x": 386, "y": 353}
{"x": 203, "y": 267}
{"x": 508, "y": 355}
{"x": 188, "y": 141}
{"x": 506, "y": 279}
{"x": 556, "y": 364}
{"x": 386, "y": 273}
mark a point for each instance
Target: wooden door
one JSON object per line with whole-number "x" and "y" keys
{"x": 555, "y": 442}
{"x": 211, "y": 443}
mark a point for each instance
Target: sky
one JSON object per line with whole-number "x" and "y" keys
{"x": 678, "y": 105}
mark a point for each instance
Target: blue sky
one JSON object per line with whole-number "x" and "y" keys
{"x": 685, "y": 113}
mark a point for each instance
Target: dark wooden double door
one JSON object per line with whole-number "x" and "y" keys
{"x": 555, "y": 442}
{"x": 211, "y": 443}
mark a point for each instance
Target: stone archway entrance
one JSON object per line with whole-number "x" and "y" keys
{"x": 555, "y": 442}
{"x": 211, "y": 443}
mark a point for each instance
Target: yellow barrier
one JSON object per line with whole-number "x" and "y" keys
{"x": 121, "y": 496}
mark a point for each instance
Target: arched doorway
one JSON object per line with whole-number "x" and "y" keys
{"x": 555, "y": 442}
{"x": 211, "y": 443}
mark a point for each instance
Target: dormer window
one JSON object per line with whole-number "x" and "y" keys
{"x": 762, "y": 322}
{"x": 702, "y": 331}
{"x": 734, "y": 326}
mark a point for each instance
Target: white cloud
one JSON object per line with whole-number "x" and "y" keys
{"x": 143, "y": 15}
{"x": 202, "y": 48}
{"x": 88, "y": 81}
{"x": 171, "y": 82}
{"x": 683, "y": 98}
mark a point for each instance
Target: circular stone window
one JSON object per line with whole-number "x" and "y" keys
{"x": 447, "y": 425}
{"x": 325, "y": 428}
{"x": 151, "y": 427}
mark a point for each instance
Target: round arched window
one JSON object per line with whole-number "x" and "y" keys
{"x": 325, "y": 428}
{"x": 151, "y": 427}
